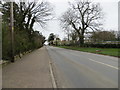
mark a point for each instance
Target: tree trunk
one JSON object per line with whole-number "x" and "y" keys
{"x": 32, "y": 22}
{"x": 81, "y": 40}
{"x": 81, "y": 37}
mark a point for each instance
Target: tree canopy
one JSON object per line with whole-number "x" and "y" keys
{"x": 82, "y": 16}
{"x": 51, "y": 38}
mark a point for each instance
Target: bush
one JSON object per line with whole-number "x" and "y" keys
{"x": 23, "y": 41}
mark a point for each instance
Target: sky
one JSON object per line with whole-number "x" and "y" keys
{"x": 110, "y": 9}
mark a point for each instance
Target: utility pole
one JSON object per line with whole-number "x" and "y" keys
{"x": 12, "y": 31}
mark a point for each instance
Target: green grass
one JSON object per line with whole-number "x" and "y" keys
{"x": 104, "y": 51}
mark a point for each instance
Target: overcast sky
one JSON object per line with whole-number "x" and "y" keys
{"x": 110, "y": 8}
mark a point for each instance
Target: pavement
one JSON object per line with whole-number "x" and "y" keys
{"x": 76, "y": 69}
{"x": 31, "y": 71}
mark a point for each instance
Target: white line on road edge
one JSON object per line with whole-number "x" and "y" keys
{"x": 103, "y": 63}
{"x": 52, "y": 76}
{"x": 51, "y": 71}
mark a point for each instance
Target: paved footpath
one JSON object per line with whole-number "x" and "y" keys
{"x": 31, "y": 71}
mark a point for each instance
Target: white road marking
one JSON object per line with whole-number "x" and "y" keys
{"x": 51, "y": 72}
{"x": 52, "y": 76}
{"x": 103, "y": 63}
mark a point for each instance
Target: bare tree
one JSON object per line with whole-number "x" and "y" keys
{"x": 27, "y": 13}
{"x": 33, "y": 12}
{"x": 103, "y": 36}
{"x": 74, "y": 36}
{"x": 82, "y": 16}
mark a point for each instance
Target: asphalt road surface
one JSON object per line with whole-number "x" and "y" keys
{"x": 75, "y": 69}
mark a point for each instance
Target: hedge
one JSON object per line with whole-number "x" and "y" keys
{"x": 102, "y": 45}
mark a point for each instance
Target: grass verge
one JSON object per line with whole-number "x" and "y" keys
{"x": 103, "y": 51}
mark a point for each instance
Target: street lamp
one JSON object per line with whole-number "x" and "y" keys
{"x": 12, "y": 31}
{"x": 0, "y": 36}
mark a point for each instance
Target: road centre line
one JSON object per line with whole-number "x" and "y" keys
{"x": 99, "y": 62}
{"x": 103, "y": 63}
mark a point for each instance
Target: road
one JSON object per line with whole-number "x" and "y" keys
{"x": 75, "y": 69}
